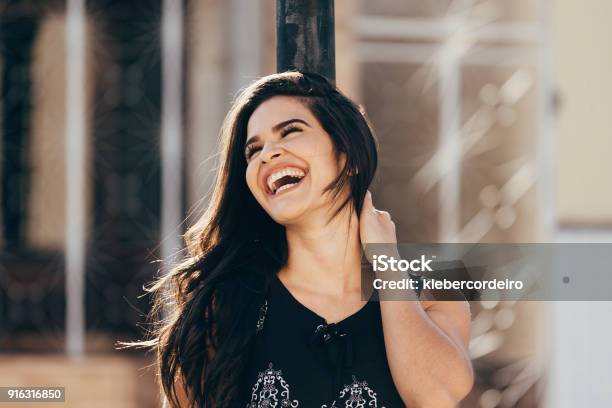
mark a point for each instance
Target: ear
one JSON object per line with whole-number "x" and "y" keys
{"x": 353, "y": 172}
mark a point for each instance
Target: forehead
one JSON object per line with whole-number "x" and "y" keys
{"x": 275, "y": 110}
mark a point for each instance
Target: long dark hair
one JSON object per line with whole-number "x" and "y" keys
{"x": 206, "y": 308}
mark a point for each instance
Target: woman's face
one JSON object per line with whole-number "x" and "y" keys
{"x": 290, "y": 160}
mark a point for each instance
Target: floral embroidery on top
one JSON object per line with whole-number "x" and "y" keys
{"x": 266, "y": 391}
{"x": 356, "y": 395}
{"x": 263, "y": 311}
{"x": 270, "y": 382}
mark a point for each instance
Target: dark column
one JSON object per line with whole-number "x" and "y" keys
{"x": 305, "y": 36}
{"x": 126, "y": 127}
{"x": 17, "y": 35}
{"x": 31, "y": 279}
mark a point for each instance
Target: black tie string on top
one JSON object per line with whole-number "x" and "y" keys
{"x": 338, "y": 347}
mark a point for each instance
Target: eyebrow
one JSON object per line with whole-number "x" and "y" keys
{"x": 276, "y": 128}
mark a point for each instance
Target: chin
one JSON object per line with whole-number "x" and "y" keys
{"x": 286, "y": 216}
{"x": 288, "y": 208}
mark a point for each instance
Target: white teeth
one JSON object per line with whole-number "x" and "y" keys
{"x": 291, "y": 171}
{"x": 284, "y": 187}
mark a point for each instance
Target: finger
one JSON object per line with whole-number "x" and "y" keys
{"x": 384, "y": 214}
{"x": 367, "y": 202}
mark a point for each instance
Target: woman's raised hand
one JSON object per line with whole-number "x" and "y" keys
{"x": 376, "y": 227}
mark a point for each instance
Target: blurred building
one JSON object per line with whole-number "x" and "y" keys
{"x": 493, "y": 127}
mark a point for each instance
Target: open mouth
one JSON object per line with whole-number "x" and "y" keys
{"x": 284, "y": 179}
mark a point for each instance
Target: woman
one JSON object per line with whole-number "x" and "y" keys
{"x": 266, "y": 310}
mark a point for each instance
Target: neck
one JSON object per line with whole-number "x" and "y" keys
{"x": 325, "y": 256}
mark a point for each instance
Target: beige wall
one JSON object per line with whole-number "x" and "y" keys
{"x": 92, "y": 382}
{"x": 47, "y": 218}
{"x": 206, "y": 65}
{"x": 583, "y": 63}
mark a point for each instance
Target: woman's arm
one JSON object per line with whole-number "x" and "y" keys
{"x": 426, "y": 345}
{"x": 426, "y": 340}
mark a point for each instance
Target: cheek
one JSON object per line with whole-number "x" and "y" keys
{"x": 324, "y": 167}
{"x": 324, "y": 159}
{"x": 312, "y": 147}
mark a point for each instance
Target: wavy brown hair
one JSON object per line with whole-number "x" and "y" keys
{"x": 206, "y": 308}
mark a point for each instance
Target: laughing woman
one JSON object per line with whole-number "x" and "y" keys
{"x": 266, "y": 310}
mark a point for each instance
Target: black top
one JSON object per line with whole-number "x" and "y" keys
{"x": 298, "y": 360}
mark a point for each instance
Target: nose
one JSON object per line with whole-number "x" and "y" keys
{"x": 270, "y": 151}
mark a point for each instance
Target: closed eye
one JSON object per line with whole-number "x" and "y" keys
{"x": 252, "y": 149}
{"x": 290, "y": 129}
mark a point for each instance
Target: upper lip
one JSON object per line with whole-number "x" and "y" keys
{"x": 272, "y": 170}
